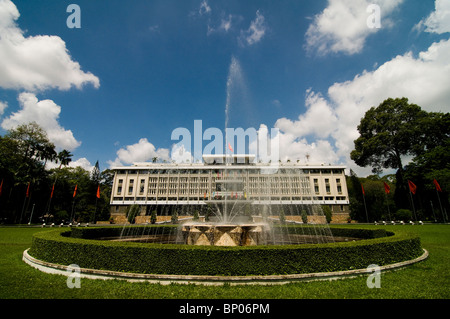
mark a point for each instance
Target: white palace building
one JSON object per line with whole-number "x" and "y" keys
{"x": 186, "y": 187}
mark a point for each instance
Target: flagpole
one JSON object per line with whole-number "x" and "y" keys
{"x": 32, "y": 210}
{"x": 71, "y": 214}
{"x": 440, "y": 205}
{"x": 50, "y": 200}
{"x": 23, "y": 207}
{"x": 364, "y": 199}
{"x": 387, "y": 204}
{"x": 412, "y": 201}
{"x": 432, "y": 209}
{"x": 367, "y": 216}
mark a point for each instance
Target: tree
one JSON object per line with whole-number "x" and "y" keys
{"x": 132, "y": 212}
{"x": 396, "y": 129}
{"x": 153, "y": 217}
{"x": 304, "y": 217}
{"x": 95, "y": 174}
{"x": 24, "y": 151}
{"x": 327, "y": 212}
{"x": 64, "y": 158}
{"x": 174, "y": 217}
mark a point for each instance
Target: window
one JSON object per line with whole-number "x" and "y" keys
{"x": 119, "y": 187}
{"x": 141, "y": 187}
{"x": 338, "y": 185}
{"x": 316, "y": 185}
{"x": 130, "y": 187}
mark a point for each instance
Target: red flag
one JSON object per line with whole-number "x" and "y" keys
{"x": 28, "y": 190}
{"x": 387, "y": 188}
{"x": 438, "y": 187}
{"x": 75, "y": 191}
{"x": 98, "y": 191}
{"x": 362, "y": 188}
{"x": 412, "y": 187}
{"x": 1, "y": 188}
{"x": 229, "y": 146}
{"x": 53, "y": 188}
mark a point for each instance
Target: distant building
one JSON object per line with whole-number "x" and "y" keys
{"x": 164, "y": 187}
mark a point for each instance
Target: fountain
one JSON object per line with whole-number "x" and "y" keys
{"x": 234, "y": 225}
{"x": 249, "y": 207}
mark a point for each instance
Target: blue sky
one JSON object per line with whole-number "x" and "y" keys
{"x": 115, "y": 89}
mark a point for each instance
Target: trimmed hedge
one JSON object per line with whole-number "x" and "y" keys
{"x": 60, "y": 247}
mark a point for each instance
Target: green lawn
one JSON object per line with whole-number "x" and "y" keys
{"x": 429, "y": 279}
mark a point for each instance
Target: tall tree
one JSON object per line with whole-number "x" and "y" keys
{"x": 393, "y": 130}
{"x": 64, "y": 158}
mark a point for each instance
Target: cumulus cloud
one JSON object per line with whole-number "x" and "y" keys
{"x": 46, "y": 114}
{"x": 180, "y": 154}
{"x": 422, "y": 79}
{"x": 35, "y": 62}
{"x": 81, "y": 162}
{"x": 439, "y": 20}
{"x": 255, "y": 32}
{"x": 3, "y": 106}
{"x": 142, "y": 151}
{"x": 319, "y": 119}
{"x": 342, "y": 26}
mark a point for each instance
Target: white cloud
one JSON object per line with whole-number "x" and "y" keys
{"x": 333, "y": 120}
{"x": 204, "y": 8}
{"x": 290, "y": 147}
{"x": 142, "y": 151}
{"x": 255, "y": 32}
{"x": 319, "y": 119}
{"x": 179, "y": 154}
{"x": 226, "y": 23}
{"x": 224, "y": 26}
{"x": 342, "y": 25}
{"x": 3, "y": 106}
{"x": 439, "y": 20}
{"x": 45, "y": 113}
{"x": 35, "y": 62}
{"x": 81, "y": 162}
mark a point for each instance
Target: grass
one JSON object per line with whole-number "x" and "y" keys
{"x": 429, "y": 279}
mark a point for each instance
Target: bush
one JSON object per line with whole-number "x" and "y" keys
{"x": 132, "y": 212}
{"x": 304, "y": 217}
{"x": 66, "y": 247}
{"x": 174, "y": 217}
{"x": 327, "y": 212}
{"x": 282, "y": 217}
{"x": 403, "y": 214}
{"x": 153, "y": 217}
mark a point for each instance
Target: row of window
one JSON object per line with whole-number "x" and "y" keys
{"x": 230, "y": 172}
{"x": 261, "y": 197}
{"x": 269, "y": 186}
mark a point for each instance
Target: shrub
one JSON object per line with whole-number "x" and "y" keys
{"x": 153, "y": 217}
{"x": 403, "y": 214}
{"x": 132, "y": 212}
{"x": 304, "y": 217}
{"x": 60, "y": 246}
{"x": 282, "y": 217}
{"x": 174, "y": 217}
{"x": 327, "y": 212}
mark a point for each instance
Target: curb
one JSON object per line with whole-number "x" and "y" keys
{"x": 52, "y": 268}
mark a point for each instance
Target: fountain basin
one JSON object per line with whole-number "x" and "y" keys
{"x": 225, "y": 234}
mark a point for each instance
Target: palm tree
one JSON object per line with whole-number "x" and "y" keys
{"x": 64, "y": 158}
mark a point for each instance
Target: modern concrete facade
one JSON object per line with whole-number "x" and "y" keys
{"x": 188, "y": 186}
